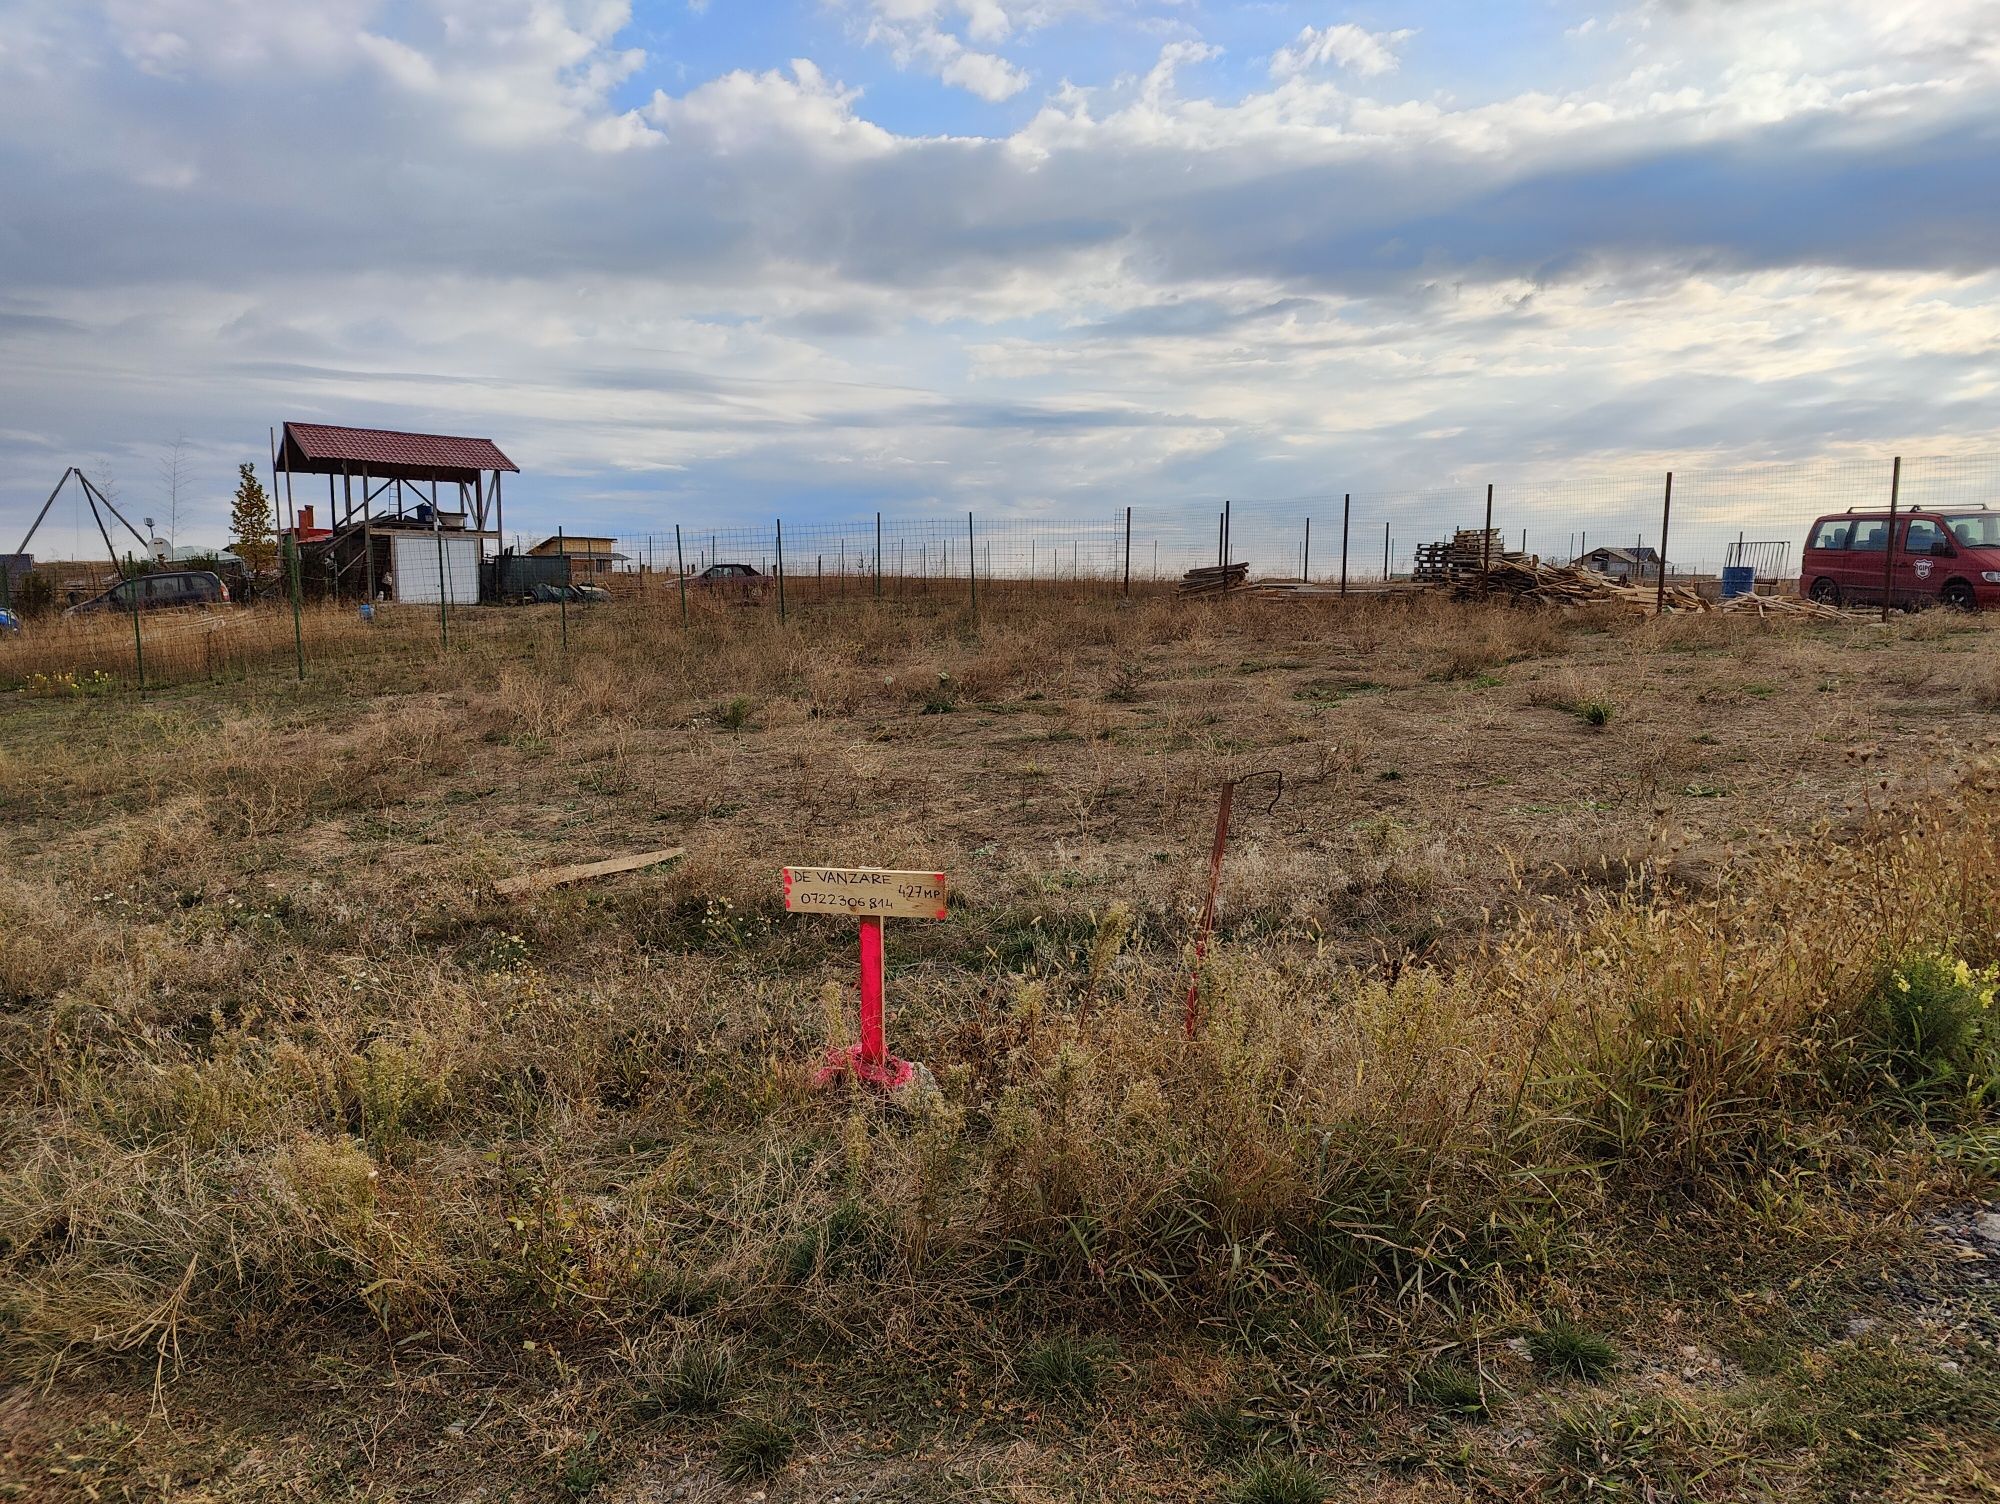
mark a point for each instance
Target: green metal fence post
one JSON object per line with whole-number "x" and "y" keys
{"x": 138, "y": 643}
{"x": 444, "y": 630}
{"x": 298, "y": 631}
{"x": 680, "y": 565}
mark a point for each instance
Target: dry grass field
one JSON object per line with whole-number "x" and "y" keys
{"x": 1597, "y": 1039}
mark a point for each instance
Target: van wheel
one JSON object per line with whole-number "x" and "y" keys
{"x": 1957, "y": 596}
{"x": 1826, "y": 592}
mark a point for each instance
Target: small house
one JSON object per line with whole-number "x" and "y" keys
{"x": 587, "y": 556}
{"x": 1622, "y": 563}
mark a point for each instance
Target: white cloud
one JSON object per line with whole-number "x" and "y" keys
{"x": 1368, "y": 53}
{"x": 985, "y": 74}
{"x": 177, "y": 37}
{"x": 1145, "y": 288}
{"x": 511, "y": 72}
{"x": 743, "y": 111}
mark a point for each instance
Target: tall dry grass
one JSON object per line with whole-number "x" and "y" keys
{"x": 243, "y": 1130}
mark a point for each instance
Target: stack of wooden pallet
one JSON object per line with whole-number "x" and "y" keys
{"x": 1475, "y": 548}
{"x": 1214, "y": 579}
{"x": 1469, "y": 551}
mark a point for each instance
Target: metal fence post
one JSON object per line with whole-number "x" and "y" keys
{"x": 971, "y": 562}
{"x": 681, "y": 573}
{"x": 878, "y": 556}
{"x": 298, "y": 632}
{"x": 1306, "y": 556}
{"x": 1128, "y": 552}
{"x": 444, "y": 630}
{"x": 1385, "y": 553}
{"x": 562, "y": 601}
{"x": 138, "y": 644}
{"x": 1346, "y": 502}
{"x": 1666, "y": 516}
{"x": 1486, "y": 538}
{"x": 1228, "y": 519}
{"x": 781, "y": 570}
{"x": 1889, "y": 543}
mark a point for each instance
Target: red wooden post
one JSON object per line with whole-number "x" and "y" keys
{"x": 1191, "y": 1023}
{"x": 1193, "y": 1019}
{"x": 874, "y": 1052}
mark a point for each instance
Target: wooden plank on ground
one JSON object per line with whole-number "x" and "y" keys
{"x": 553, "y": 877}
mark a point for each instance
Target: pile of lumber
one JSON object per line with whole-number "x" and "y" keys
{"x": 1790, "y": 606}
{"x": 1531, "y": 582}
{"x": 1215, "y": 579}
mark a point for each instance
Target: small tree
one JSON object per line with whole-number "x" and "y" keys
{"x": 250, "y": 520}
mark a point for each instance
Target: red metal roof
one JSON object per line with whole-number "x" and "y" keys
{"x": 322, "y": 447}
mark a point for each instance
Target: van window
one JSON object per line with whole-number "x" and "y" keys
{"x": 1832, "y": 533}
{"x": 1923, "y": 535}
{"x": 1871, "y": 535}
{"x": 1977, "y": 529}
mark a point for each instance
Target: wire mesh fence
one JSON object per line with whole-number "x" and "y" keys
{"x": 1909, "y": 530}
{"x": 1692, "y": 522}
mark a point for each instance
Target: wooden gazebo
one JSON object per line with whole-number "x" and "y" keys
{"x": 392, "y": 468}
{"x": 384, "y": 490}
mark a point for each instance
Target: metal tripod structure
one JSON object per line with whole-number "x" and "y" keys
{"x": 96, "y": 498}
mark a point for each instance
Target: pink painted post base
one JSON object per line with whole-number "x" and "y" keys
{"x": 869, "y": 1062}
{"x": 888, "y": 1073}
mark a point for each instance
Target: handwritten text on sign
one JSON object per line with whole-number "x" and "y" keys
{"x": 868, "y": 891}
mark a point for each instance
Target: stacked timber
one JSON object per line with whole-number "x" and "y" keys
{"x": 1214, "y": 579}
{"x": 1467, "y": 553}
{"x": 1796, "y": 606}
{"x": 1533, "y": 583}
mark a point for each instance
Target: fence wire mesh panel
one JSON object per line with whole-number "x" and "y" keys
{"x": 941, "y": 560}
{"x": 1627, "y": 523}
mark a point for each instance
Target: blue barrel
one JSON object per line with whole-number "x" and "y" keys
{"x": 1738, "y": 579}
{"x": 367, "y": 610}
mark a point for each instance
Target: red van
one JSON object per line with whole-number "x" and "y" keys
{"x": 1934, "y": 558}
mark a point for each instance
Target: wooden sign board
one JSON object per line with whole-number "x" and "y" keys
{"x": 868, "y": 892}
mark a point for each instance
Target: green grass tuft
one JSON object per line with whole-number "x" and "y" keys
{"x": 1564, "y": 1347}
{"x": 1280, "y": 1481}
{"x": 695, "y": 1381}
{"x": 1451, "y": 1386}
{"x": 755, "y": 1447}
{"x": 1061, "y": 1369}
{"x": 1223, "y": 1429}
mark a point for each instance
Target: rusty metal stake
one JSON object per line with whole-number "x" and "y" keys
{"x": 1207, "y": 924}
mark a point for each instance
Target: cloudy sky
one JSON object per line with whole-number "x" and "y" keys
{"x": 698, "y": 261}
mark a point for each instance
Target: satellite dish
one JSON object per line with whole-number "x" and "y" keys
{"x": 161, "y": 549}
